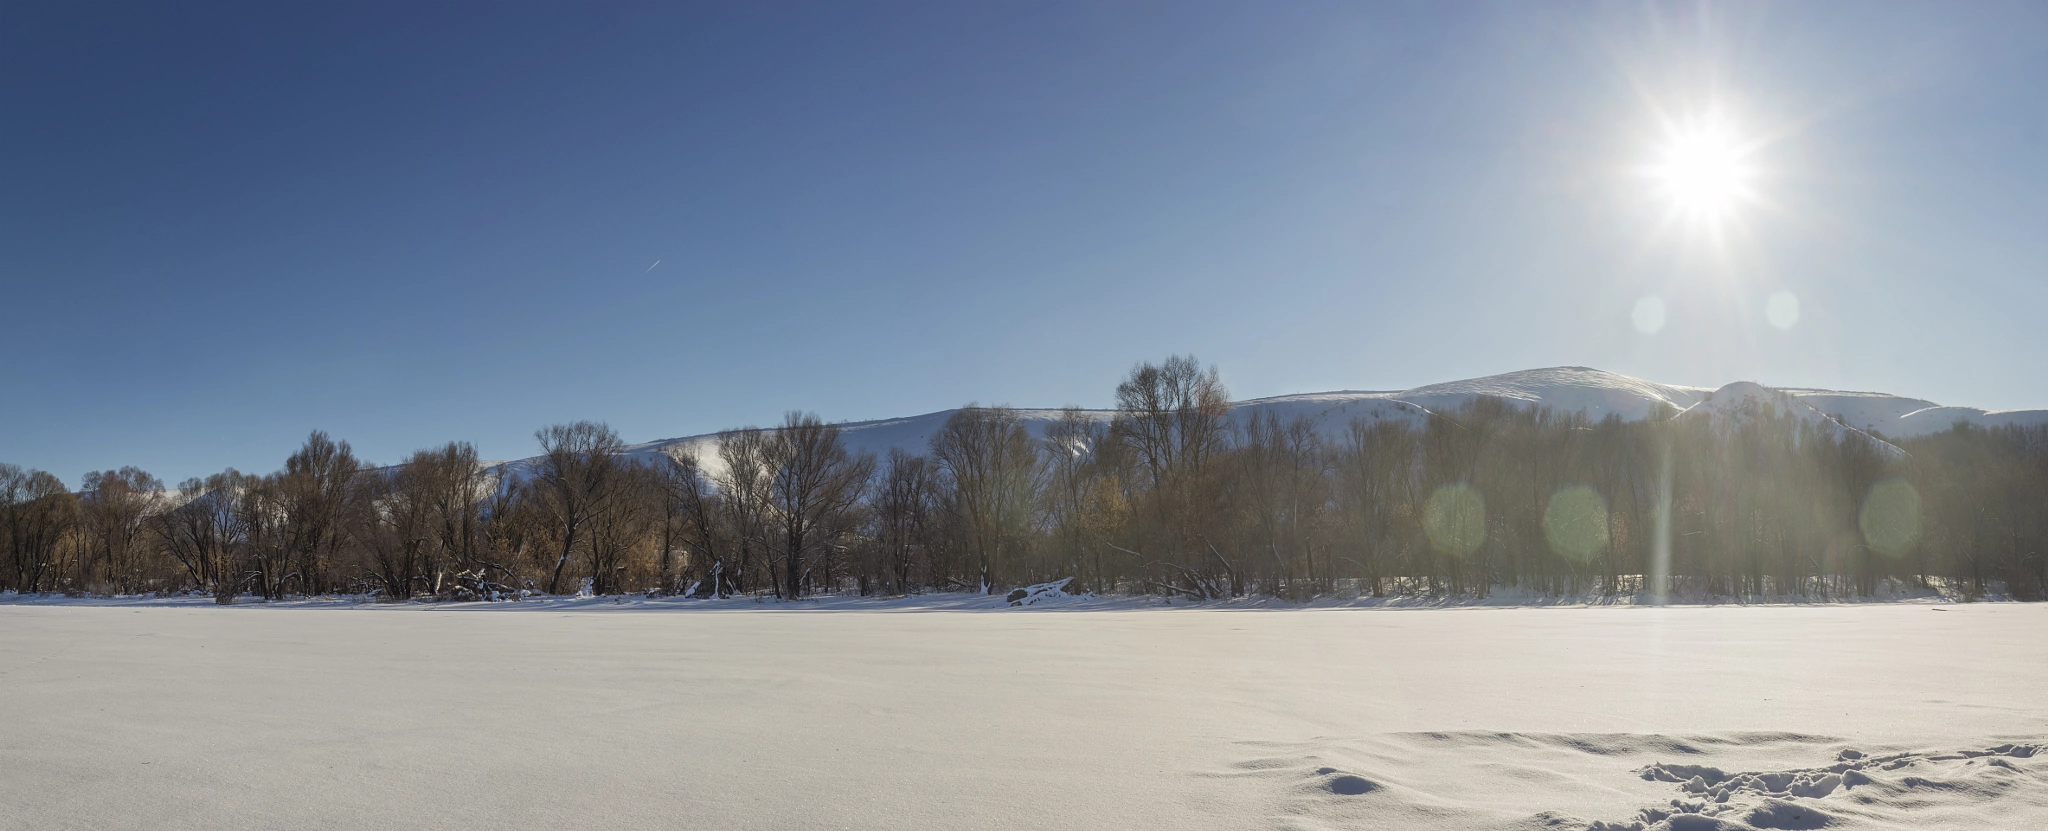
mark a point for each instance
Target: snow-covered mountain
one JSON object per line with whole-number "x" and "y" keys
{"x": 1564, "y": 389}
{"x": 1745, "y": 402}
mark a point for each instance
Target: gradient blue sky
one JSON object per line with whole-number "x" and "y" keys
{"x": 224, "y": 226}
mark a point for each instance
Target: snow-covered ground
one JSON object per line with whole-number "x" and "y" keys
{"x": 1079, "y": 715}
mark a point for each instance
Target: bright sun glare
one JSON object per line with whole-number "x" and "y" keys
{"x": 1703, "y": 170}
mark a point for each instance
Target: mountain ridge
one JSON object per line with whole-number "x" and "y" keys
{"x": 1596, "y": 392}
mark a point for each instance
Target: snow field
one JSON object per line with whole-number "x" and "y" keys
{"x": 525, "y": 715}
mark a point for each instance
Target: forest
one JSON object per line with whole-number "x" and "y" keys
{"x": 1170, "y": 496}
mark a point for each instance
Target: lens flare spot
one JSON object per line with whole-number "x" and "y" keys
{"x": 1575, "y": 523}
{"x": 1891, "y": 517}
{"x": 1648, "y": 315}
{"x": 1455, "y": 519}
{"x": 1782, "y": 310}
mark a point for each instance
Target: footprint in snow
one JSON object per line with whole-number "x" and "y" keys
{"x": 1345, "y": 784}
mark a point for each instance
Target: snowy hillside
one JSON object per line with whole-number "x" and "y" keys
{"x": 1564, "y": 389}
{"x": 1743, "y": 402}
{"x": 1899, "y": 417}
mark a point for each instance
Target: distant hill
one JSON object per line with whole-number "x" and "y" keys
{"x": 1596, "y": 392}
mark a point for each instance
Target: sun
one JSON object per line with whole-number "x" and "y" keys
{"x": 1704, "y": 169}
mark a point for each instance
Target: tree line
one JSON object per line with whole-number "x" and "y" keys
{"x": 1169, "y": 495}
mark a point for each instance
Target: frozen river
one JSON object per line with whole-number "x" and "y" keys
{"x": 1902, "y": 715}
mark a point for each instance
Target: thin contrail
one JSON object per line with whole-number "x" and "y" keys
{"x": 650, "y": 268}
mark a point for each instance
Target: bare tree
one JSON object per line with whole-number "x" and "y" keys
{"x": 1376, "y": 473}
{"x": 621, "y": 523}
{"x": 114, "y": 508}
{"x": 576, "y": 476}
{"x": 815, "y": 481}
{"x": 37, "y": 512}
{"x": 690, "y": 529}
{"x": 398, "y": 530}
{"x": 260, "y": 518}
{"x": 746, "y": 489}
{"x": 513, "y": 529}
{"x": 1281, "y": 484}
{"x": 991, "y": 472}
{"x": 208, "y": 531}
{"x": 1171, "y": 415}
{"x": 1170, "y": 418}
{"x": 195, "y": 531}
{"x": 314, "y": 491}
{"x": 457, "y": 492}
{"x": 904, "y": 504}
{"x": 420, "y": 526}
{"x": 1077, "y": 496}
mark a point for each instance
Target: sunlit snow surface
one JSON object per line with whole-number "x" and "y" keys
{"x": 957, "y": 713}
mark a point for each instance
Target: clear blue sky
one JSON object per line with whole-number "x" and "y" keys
{"x": 224, "y": 226}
